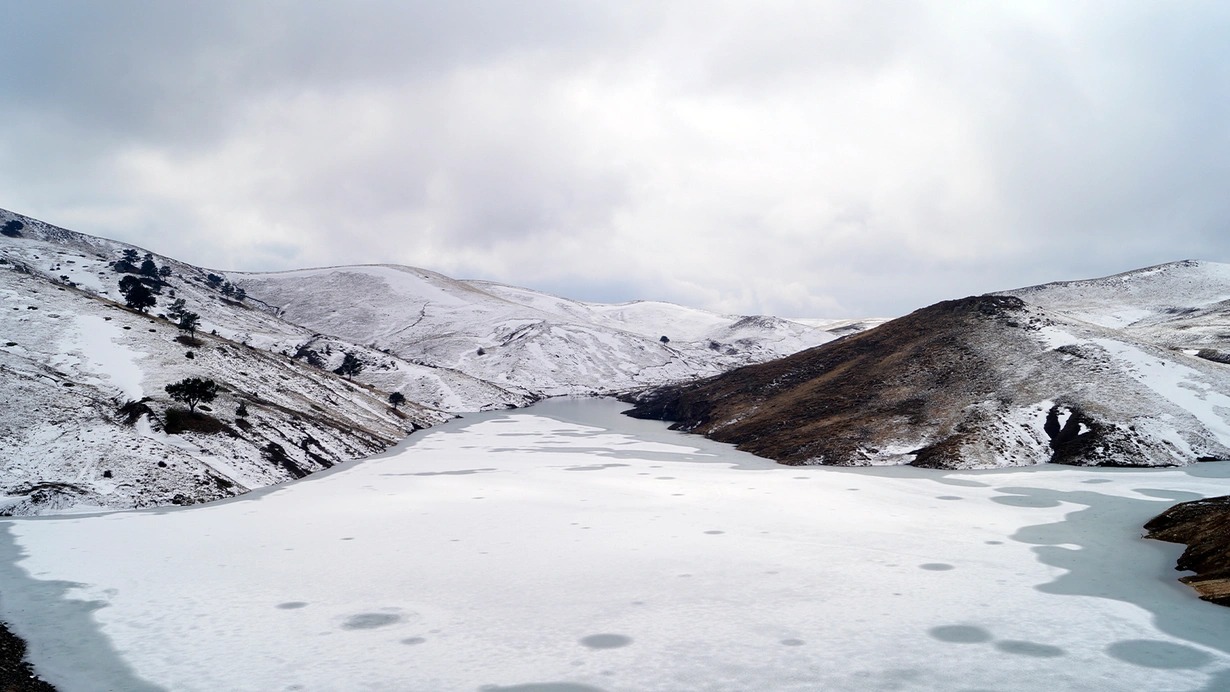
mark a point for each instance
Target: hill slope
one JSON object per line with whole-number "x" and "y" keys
{"x": 87, "y": 422}
{"x": 987, "y": 381}
{"x": 518, "y": 340}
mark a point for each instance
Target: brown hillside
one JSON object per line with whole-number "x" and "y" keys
{"x": 960, "y": 384}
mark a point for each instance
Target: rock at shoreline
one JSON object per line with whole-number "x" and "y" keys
{"x": 16, "y": 675}
{"x": 1204, "y": 526}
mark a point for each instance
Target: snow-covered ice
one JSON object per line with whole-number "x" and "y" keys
{"x": 566, "y": 548}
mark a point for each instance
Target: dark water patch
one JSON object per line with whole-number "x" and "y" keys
{"x": 605, "y": 641}
{"x": 595, "y": 467}
{"x": 1030, "y": 501}
{"x": 1022, "y": 648}
{"x": 1218, "y": 682}
{"x": 370, "y": 621}
{"x": 960, "y": 634}
{"x": 949, "y": 497}
{"x": 792, "y": 642}
{"x": 291, "y": 605}
{"x": 542, "y": 687}
{"x": 962, "y": 482}
{"x": 936, "y": 566}
{"x": 1151, "y": 653}
{"x": 1085, "y": 544}
{"x": 1175, "y": 495}
{"x": 459, "y": 472}
{"x": 715, "y": 532}
{"x": 413, "y": 641}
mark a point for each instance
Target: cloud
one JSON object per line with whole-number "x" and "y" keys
{"x": 820, "y": 158}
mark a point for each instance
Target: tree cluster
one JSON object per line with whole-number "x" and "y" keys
{"x": 132, "y": 263}
{"x": 228, "y": 289}
{"x": 12, "y": 228}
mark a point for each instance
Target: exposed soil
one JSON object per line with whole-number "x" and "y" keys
{"x": 16, "y": 674}
{"x": 1204, "y": 526}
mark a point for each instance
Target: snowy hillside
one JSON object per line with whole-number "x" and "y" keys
{"x": 75, "y": 356}
{"x": 1183, "y": 305}
{"x": 86, "y": 416}
{"x": 521, "y": 340}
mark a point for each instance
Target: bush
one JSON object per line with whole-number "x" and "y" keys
{"x": 13, "y": 228}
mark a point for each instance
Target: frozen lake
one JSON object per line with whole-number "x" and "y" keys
{"x": 565, "y": 548}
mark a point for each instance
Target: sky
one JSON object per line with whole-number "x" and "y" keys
{"x": 806, "y": 159}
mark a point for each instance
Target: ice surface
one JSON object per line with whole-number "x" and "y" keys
{"x": 474, "y": 558}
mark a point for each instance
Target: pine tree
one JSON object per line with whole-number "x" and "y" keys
{"x": 188, "y": 322}
{"x": 176, "y": 310}
{"x": 350, "y": 366}
{"x": 136, "y": 294}
{"x": 396, "y": 399}
{"x": 193, "y": 391}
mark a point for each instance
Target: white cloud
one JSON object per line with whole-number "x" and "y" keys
{"x": 836, "y": 158}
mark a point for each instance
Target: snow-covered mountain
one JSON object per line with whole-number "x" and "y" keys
{"x": 1180, "y": 305}
{"x": 85, "y": 421}
{"x": 525, "y": 344}
{"x": 1128, "y": 370}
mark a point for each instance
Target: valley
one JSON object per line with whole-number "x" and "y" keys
{"x": 566, "y": 547}
{"x": 409, "y": 481}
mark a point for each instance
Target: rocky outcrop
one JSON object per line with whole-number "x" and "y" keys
{"x": 1204, "y": 526}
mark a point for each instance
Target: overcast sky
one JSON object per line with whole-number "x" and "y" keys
{"x": 822, "y": 159}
